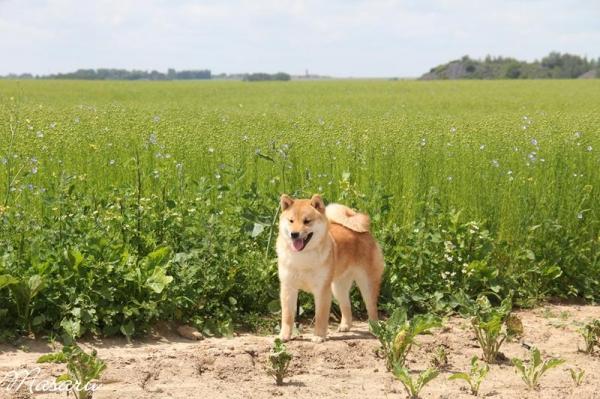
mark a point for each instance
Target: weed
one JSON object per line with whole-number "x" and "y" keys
{"x": 474, "y": 377}
{"x": 397, "y": 334}
{"x": 577, "y": 375}
{"x": 411, "y": 386}
{"x": 489, "y": 324}
{"x": 82, "y": 369}
{"x": 279, "y": 361}
{"x": 439, "y": 358}
{"x": 591, "y": 335}
{"x": 532, "y": 372}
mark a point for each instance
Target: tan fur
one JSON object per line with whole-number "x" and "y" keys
{"x": 340, "y": 251}
{"x": 347, "y": 217}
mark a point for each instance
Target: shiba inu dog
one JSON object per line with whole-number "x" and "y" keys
{"x": 324, "y": 250}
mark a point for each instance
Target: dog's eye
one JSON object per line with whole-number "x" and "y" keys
{"x": 291, "y": 220}
{"x": 306, "y": 221}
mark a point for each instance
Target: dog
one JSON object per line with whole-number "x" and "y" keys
{"x": 324, "y": 250}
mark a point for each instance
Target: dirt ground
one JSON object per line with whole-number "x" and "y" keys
{"x": 167, "y": 366}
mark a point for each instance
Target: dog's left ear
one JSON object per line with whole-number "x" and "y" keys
{"x": 317, "y": 202}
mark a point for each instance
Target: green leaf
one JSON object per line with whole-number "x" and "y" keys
{"x": 38, "y": 320}
{"x": 426, "y": 376}
{"x": 72, "y": 328}
{"x": 58, "y": 357}
{"x": 6, "y": 280}
{"x": 402, "y": 374}
{"x": 75, "y": 258}
{"x": 158, "y": 257}
{"x": 553, "y": 272}
{"x": 127, "y": 329}
{"x": 460, "y": 376}
{"x": 552, "y": 363}
{"x": 63, "y": 378}
{"x": 423, "y": 323}
{"x": 518, "y": 363}
{"x": 35, "y": 285}
{"x": 536, "y": 356}
{"x": 275, "y": 306}
{"x": 257, "y": 229}
{"x": 158, "y": 280}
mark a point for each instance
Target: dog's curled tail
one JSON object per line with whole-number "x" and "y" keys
{"x": 345, "y": 216}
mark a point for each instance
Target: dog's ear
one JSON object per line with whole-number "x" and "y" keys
{"x": 285, "y": 201}
{"x": 317, "y": 202}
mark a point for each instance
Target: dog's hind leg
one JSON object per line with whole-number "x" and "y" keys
{"x": 368, "y": 284}
{"x": 341, "y": 291}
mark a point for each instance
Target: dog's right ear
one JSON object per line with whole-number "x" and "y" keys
{"x": 285, "y": 201}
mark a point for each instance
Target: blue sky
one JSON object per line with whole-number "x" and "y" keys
{"x": 339, "y": 38}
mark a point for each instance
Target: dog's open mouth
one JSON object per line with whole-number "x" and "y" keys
{"x": 300, "y": 243}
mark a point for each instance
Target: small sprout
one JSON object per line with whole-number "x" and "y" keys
{"x": 591, "y": 335}
{"x": 279, "y": 361}
{"x": 82, "y": 369}
{"x": 577, "y": 375}
{"x": 536, "y": 368}
{"x": 439, "y": 358}
{"x": 475, "y": 376}
{"x": 412, "y": 387}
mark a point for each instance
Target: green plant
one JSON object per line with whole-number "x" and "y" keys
{"x": 532, "y": 372}
{"x": 23, "y": 291}
{"x": 411, "y": 386}
{"x": 397, "y": 334}
{"x": 279, "y": 362}
{"x": 474, "y": 377}
{"x": 488, "y": 323}
{"x": 591, "y": 335}
{"x": 439, "y": 358}
{"x": 82, "y": 369}
{"x": 577, "y": 375}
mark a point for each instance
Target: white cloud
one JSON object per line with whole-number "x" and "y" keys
{"x": 351, "y": 37}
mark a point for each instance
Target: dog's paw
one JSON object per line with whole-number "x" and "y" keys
{"x": 343, "y": 328}
{"x": 285, "y": 338}
{"x": 317, "y": 340}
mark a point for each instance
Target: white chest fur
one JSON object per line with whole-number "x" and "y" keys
{"x": 306, "y": 270}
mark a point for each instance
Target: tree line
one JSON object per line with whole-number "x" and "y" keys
{"x": 171, "y": 74}
{"x": 554, "y": 66}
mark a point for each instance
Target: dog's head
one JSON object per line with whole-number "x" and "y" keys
{"x": 302, "y": 221}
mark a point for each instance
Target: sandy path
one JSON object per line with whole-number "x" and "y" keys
{"x": 344, "y": 366}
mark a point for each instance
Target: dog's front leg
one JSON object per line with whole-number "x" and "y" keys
{"x": 289, "y": 299}
{"x": 322, "y": 308}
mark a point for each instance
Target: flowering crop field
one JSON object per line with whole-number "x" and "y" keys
{"x": 126, "y": 203}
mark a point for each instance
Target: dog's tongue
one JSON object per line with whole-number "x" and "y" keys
{"x": 298, "y": 244}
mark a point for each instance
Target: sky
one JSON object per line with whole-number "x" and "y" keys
{"x": 343, "y": 38}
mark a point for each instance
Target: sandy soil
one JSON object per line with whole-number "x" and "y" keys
{"x": 167, "y": 366}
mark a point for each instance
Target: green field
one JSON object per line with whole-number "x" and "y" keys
{"x": 125, "y": 203}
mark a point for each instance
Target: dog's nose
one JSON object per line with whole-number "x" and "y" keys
{"x": 295, "y": 235}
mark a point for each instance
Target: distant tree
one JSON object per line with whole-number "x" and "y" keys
{"x": 261, "y": 76}
{"x": 513, "y": 70}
